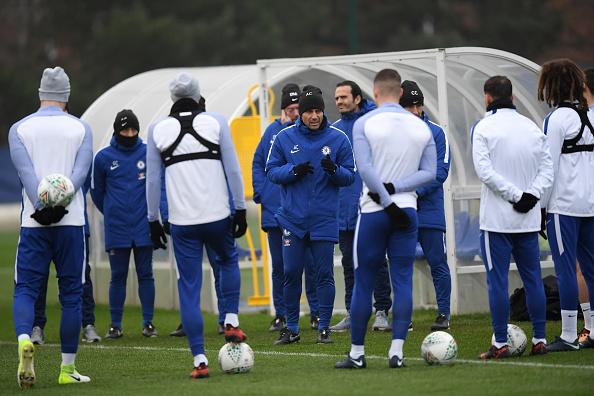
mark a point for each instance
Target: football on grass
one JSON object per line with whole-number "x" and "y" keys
{"x": 516, "y": 340}
{"x": 439, "y": 347}
{"x": 236, "y": 358}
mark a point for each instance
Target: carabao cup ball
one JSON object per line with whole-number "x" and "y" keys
{"x": 236, "y": 358}
{"x": 55, "y": 190}
{"x": 516, "y": 340}
{"x": 439, "y": 347}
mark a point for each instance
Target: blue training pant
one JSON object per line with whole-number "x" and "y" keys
{"x": 496, "y": 250}
{"x": 215, "y": 263}
{"x": 275, "y": 235}
{"x": 119, "y": 261}
{"x": 188, "y": 244}
{"x": 295, "y": 251}
{"x": 433, "y": 244}
{"x": 375, "y": 235}
{"x": 37, "y": 247}
{"x": 572, "y": 238}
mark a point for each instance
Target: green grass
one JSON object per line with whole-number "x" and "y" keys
{"x": 162, "y": 365}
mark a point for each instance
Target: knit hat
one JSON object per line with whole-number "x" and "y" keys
{"x": 289, "y": 95}
{"x": 55, "y": 85}
{"x": 311, "y": 99}
{"x": 411, "y": 94}
{"x": 125, "y": 119}
{"x": 184, "y": 86}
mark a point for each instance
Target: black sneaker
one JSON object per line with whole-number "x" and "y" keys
{"x": 441, "y": 323}
{"x": 114, "y": 332}
{"x": 277, "y": 324}
{"x": 179, "y": 332}
{"x": 314, "y": 322}
{"x": 287, "y": 337}
{"x": 350, "y": 363}
{"x": 560, "y": 345}
{"x": 149, "y": 330}
{"x": 220, "y": 328}
{"x": 396, "y": 362}
{"x": 324, "y": 337}
{"x": 410, "y": 327}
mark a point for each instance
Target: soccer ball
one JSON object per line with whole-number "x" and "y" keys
{"x": 236, "y": 358}
{"x": 516, "y": 340}
{"x": 55, "y": 190}
{"x": 439, "y": 347}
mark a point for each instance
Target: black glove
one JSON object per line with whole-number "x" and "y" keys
{"x": 167, "y": 228}
{"x": 43, "y": 216}
{"x": 58, "y": 213}
{"x": 543, "y": 223}
{"x": 398, "y": 216}
{"x": 390, "y": 188}
{"x": 157, "y": 235}
{"x": 328, "y": 165}
{"x": 239, "y": 223}
{"x": 375, "y": 196}
{"x": 527, "y": 202}
{"x": 302, "y": 169}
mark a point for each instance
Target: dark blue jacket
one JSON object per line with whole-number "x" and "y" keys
{"x": 430, "y": 197}
{"x": 348, "y": 197}
{"x": 266, "y": 193}
{"x": 309, "y": 204}
{"x": 119, "y": 192}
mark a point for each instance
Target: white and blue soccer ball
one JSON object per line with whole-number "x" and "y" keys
{"x": 236, "y": 358}
{"x": 439, "y": 347}
{"x": 55, "y": 190}
{"x": 516, "y": 340}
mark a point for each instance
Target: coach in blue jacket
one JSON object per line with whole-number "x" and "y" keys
{"x": 310, "y": 160}
{"x": 118, "y": 190}
{"x": 430, "y": 210}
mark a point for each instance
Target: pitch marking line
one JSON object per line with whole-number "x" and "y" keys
{"x": 326, "y": 356}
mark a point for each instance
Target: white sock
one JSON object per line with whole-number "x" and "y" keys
{"x": 68, "y": 358}
{"x": 537, "y": 340}
{"x": 591, "y": 323}
{"x": 499, "y": 344}
{"x": 396, "y": 348}
{"x": 568, "y": 325}
{"x": 587, "y": 317}
{"x": 201, "y": 358}
{"x": 232, "y": 319}
{"x": 357, "y": 351}
{"x": 24, "y": 337}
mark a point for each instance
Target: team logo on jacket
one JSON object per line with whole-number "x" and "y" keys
{"x": 286, "y": 242}
{"x": 272, "y": 139}
{"x": 140, "y": 164}
{"x": 326, "y": 150}
{"x": 141, "y": 175}
{"x": 114, "y": 165}
{"x": 295, "y": 149}
{"x": 286, "y": 232}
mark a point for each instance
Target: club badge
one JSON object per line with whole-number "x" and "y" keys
{"x": 326, "y": 150}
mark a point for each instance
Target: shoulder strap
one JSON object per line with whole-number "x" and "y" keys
{"x": 571, "y": 145}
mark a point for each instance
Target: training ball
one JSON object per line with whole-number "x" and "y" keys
{"x": 55, "y": 190}
{"x": 236, "y": 358}
{"x": 439, "y": 347}
{"x": 516, "y": 340}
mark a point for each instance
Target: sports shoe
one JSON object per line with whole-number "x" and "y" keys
{"x": 277, "y": 324}
{"x": 396, "y": 362}
{"x": 234, "y": 334}
{"x": 149, "y": 330}
{"x": 114, "y": 332}
{"x": 560, "y": 345}
{"x": 37, "y": 336}
{"x": 287, "y": 337}
{"x": 539, "y": 348}
{"x": 588, "y": 343}
{"x": 26, "y": 371}
{"x": 180, "y": 332}
{"x": 410, "y": 327}
{"x": 381, "y": 322}
{"x": 441, "y": 323}
{"x": 582, "y": 336}
{"x": 69, "y": 375}
{"x": 324, "y": 337}
{"x": 200, "y": 372}
{"x": 350, "y": 363}
{"x": 496, "y": 353}
{"x": 220, "y": 329}
{"x": 343, "y": 325}
{"x": 90, "y": 334}
{"x": 314, "y": 322}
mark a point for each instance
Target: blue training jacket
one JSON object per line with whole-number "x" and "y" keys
{"x": 118, "y": 190}
{"x": 309, "y": 203}
{"x": 266, "y": 193}
{"x": 348, "y": 197}
{"x": 430, "y": 197}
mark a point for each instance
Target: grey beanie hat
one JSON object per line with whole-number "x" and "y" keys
{"x": 55, "y": 85}
{"x": 184, "y": 86}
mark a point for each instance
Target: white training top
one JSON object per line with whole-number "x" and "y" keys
{"x": 511, "y": 156}
{"x": 572, "y": 193}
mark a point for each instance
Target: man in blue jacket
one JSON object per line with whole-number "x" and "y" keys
{"x": 311, "y": 160}
{"x": 430, "y": 210}
{"x": 267, "y": 194}
{"x": 351, "y": 105}
{"x": 118, "y": 190}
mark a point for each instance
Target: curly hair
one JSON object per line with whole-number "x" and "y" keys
{"x": 561, "y": 80}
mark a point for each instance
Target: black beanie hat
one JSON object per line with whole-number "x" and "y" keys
{"x": 411, "y": 94}
{"x": 311, "y": 99}
{"x": 289, "y": 95}
{"x": 125, "y": 119}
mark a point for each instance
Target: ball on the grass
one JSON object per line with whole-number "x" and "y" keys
{"x": 236, "y": 358}
{"x": 439, "y": 347}
{"x": 516, "y": 340}
{"x": 55, "y": 190}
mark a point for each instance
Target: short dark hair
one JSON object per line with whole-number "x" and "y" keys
{"x": 355, "y": 88}
{"x": 499, "y": 87}
{"x": 388, "y": 81}
{"x": 590, "y": 79}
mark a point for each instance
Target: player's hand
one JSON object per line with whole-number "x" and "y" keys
{"x": 167, "y": 228}
{"x": 328, "y": 165}
{"x": 239, "y": 223}
{"x": 158, "y": 235}
{"x": 398, "y": 216}
{"x": 390, "y": 188}
{"x": 43, "y": 216}
{"x": 526, "y": 203}
{"x": 302, "y": 169}
{"x": 58, "y": 213}
{"x": 543, "y": 224}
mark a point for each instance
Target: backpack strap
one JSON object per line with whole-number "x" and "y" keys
{"x": 571, "y": 145}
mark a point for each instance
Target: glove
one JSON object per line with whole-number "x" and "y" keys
{"x": 543, "y": 224}
{"x": 328, "y": 165}
{"x": 398, "y": 216}
{"x": 157, "y": 235}
{"x": 167, "y": 228}
{"x": 43, "y": 216}
{"x": 239, "y": 223}
{"x": 527, "y": 202}
{"x": 302, "y": 169}
{"x": 390, "y": 188}
{"x": 58, "y": 213}
{"x": 375, "y": 196}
